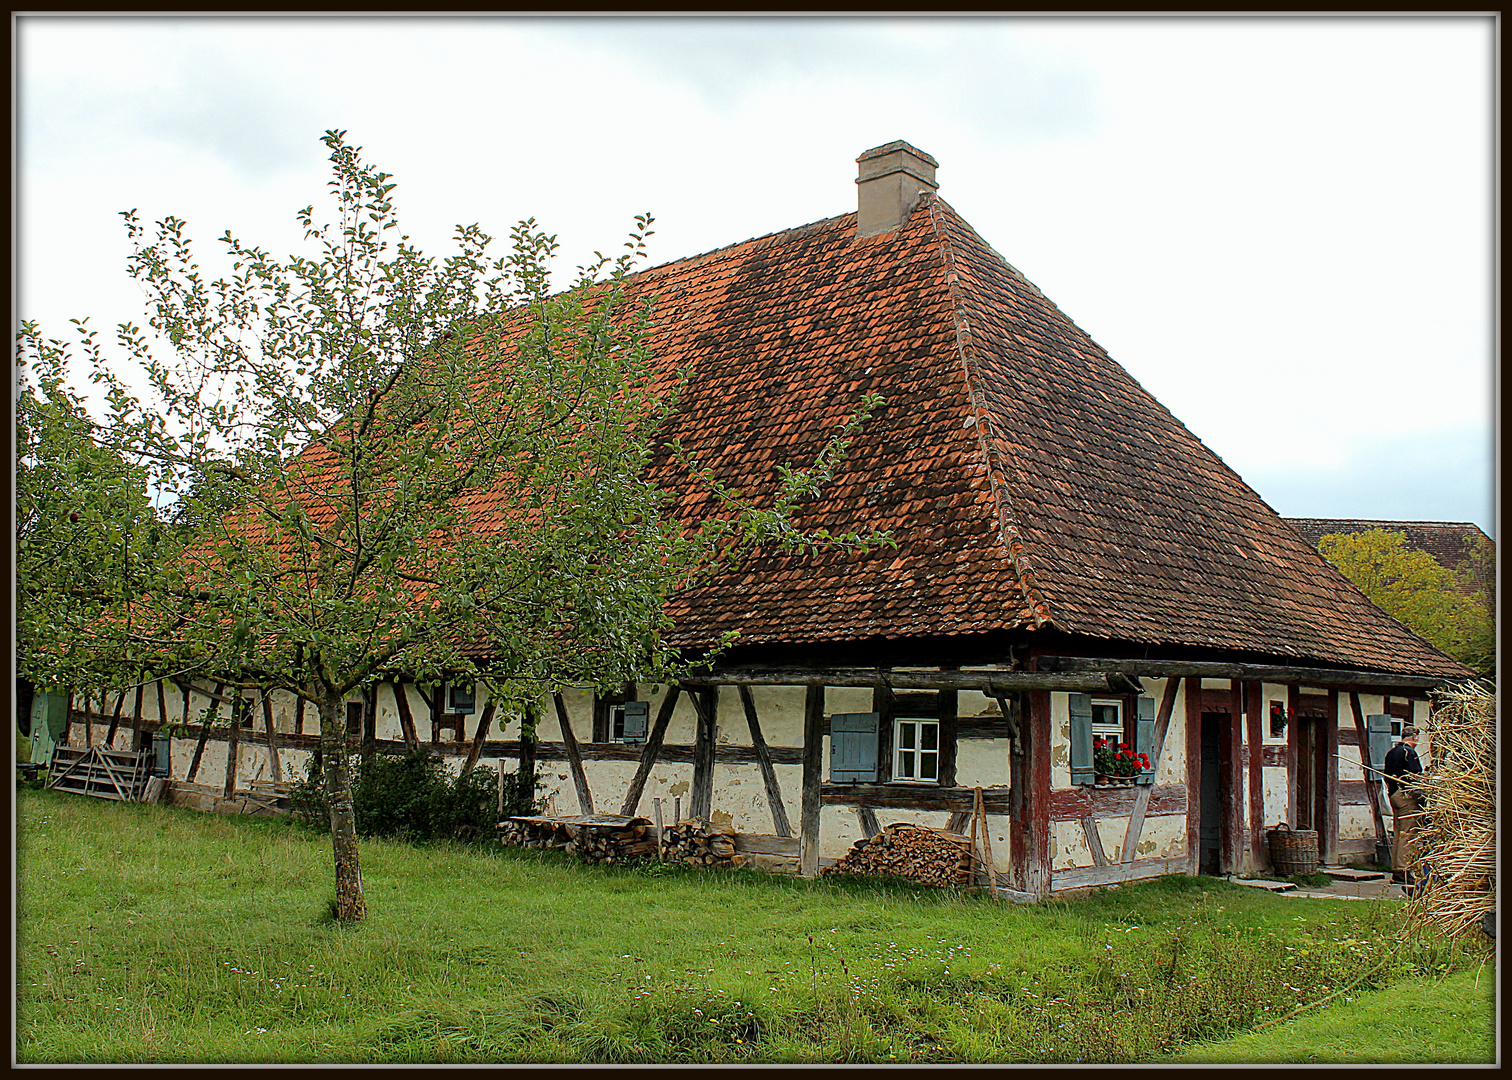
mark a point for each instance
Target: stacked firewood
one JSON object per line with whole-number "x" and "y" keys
{"x": 613, "y": 840}
{"x": 700, "y": 843}
{"x": 601, "y": 839}
{"x": 929, "y": 856}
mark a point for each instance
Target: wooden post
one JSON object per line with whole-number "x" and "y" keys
{"x": 299, "y": 708}
{"x": 406, "y": 718}
{"x": 705, "y": 705}
{"x": 479, "y": 737}
{"x": 1231, "y": 789}
{"x": 1372, "y": 782}
{"x": 948, "y": 741}
{"x": 162, "y": 704}
{"x": 813, "y": 763}
{"x": 233, "y": 746}
{"x": 273, "y": 762}
{"x": 1094, "y": 841}
{"x": 1194, "y": 774}
{"x": 1030, "y": 838}
{"x": 575, "y": 759}
{"x": 981, "y": 810}
{"x": 1255, "y": 733}
{"x": 136, "y": 715}
{"x": 1328, "y": 832}
{"x": 530, "y": 735}
{"x": 768, "y": 773}
{"x": 650, "y": 752}
{"x": 868, "y": 819}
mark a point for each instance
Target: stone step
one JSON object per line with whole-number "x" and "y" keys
{"x": 1347, "y": 873}
{"x": 1261, "y": 883}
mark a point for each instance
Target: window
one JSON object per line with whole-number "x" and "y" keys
{"x": 628, "y": 722}
{"x": 1107, "y": 720}
{"x": 916, "y": 750}
{"x": 460, "y": 697}
{"x": 354, "y": 718}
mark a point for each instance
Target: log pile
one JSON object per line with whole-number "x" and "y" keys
{"x": 699, "y": 843}
{"x": 604, "y": 838}
{"x": 929, "y": 856}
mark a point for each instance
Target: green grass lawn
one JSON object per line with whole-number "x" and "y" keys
{"x": 148, "y": 934}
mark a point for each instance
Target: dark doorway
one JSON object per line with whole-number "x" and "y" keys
{"x": 1210, "y": 821}
{"x": 1311, "y": 784}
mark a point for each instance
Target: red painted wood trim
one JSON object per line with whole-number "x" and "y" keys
{"x": 1354, "y": 793}
{"x": 1193, "y": 770}
{"x": 1073, "y": 804}
{"x": 1328, "y": 838}
{"x": 1273, "y": 755}
{"x": 1029, "y": 833}
{"x": 1293, "y": 697}
{"x": 1255, "y": 734}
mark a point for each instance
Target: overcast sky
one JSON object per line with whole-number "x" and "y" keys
{"x": 1281, "y": 227}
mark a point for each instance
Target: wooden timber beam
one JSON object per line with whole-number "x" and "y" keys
{"x": 764, "y": 760}
{"x": 574, "y": 757}
{"x": 813, "y": 766}
{"x": 1204, "y": 669}
{"x": 1372, "y": 784}
{"x": 650, "y": 750}
{"x": 988, "y": 682}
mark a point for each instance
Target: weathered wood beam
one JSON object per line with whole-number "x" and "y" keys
{"x": 1209, "y": 669}
{"x": 1094, "y": 840}
{"x": 764, "y": 760}
{"x": 813, "y": 764}
{"x": 204, "y": 733}
{"x": 268, "y": 726}
{"x": 480, "y": 737}
{"x": 1073, "y": 804}
{"x": 913, "y": 797}
{"x": 233, "y": 747}
{"x": 115, "y": 720}
{"x": 575, "y": 758}
{"x": 406, "y": 718}
{"x": 989, "y": 682}
{"x": 868, "y": 820}
{"x": 705, "y": 706}
{"x": 650, "y": 751}
{"x": 1081, "y": 877}
{"x": 136, "y": 716}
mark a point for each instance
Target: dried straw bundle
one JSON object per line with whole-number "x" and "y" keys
{"x": 1458, "y": 830}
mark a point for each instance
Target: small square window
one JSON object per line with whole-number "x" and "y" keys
{"x": 627, "y": 722}
{"x": 916, "y": 750}
{"x": 460, "y": 697}
{"x": 1107, "y": 720}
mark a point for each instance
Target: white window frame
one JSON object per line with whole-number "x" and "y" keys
{"x": 617, "y": 723}
{"x": 914, "y": 755}
{"x": 1104, "y": 729}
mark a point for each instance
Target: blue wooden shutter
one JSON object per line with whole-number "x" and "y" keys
{"x": 1378, "y": 733}
{"x": 853, "y": 748}
{"x": 1081, "y": 739}
{"x": 1144, "y": 737}
{"x": 637, "y": 715}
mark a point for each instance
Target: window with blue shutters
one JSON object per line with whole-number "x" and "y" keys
{"x": 630, "y": 721}
{"x": 1082, "y": 771}
{"x": 1144, "y": 737}
{"x": 1378, "y": 732}
{"x": 853, "y": 748}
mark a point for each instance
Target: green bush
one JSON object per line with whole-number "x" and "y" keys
{"x": 414, "y": 796}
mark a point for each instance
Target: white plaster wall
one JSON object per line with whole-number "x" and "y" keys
{"x": 1349, "y": 760}
{"x": 1274, "y": 792}
{"x": 1163, "y": 837}
{"x": 982, "y": 762}
{"x": 1172, "y": 767}
{"x": 1356, "y": 822}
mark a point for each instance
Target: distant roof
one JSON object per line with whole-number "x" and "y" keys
{"x": 1029, "y": 481}
{"x": 1447, "y": 541}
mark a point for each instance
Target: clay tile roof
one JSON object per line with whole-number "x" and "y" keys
{"x": 1028, "y": 480}
{"x": 1449, "y": 542}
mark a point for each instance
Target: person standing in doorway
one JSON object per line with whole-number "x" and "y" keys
{"x": 1402, "y": 762}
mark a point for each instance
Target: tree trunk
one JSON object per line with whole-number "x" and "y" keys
{"x": 350, "y": 905}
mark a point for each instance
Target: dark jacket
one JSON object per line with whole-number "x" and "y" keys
{"x": 1401, "y": 759}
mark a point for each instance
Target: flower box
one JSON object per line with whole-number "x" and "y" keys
{"x": 1104, "y": 780}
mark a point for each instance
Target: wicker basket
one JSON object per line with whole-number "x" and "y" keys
{"x": 1292, "y": 851}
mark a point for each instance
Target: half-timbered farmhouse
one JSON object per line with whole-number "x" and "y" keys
{"x": 1070, "y": 563}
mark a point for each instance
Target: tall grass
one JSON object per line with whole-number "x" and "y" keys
{"x": 153, "y": 934}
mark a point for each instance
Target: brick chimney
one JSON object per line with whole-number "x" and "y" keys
{"x": 889, "y": 183}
